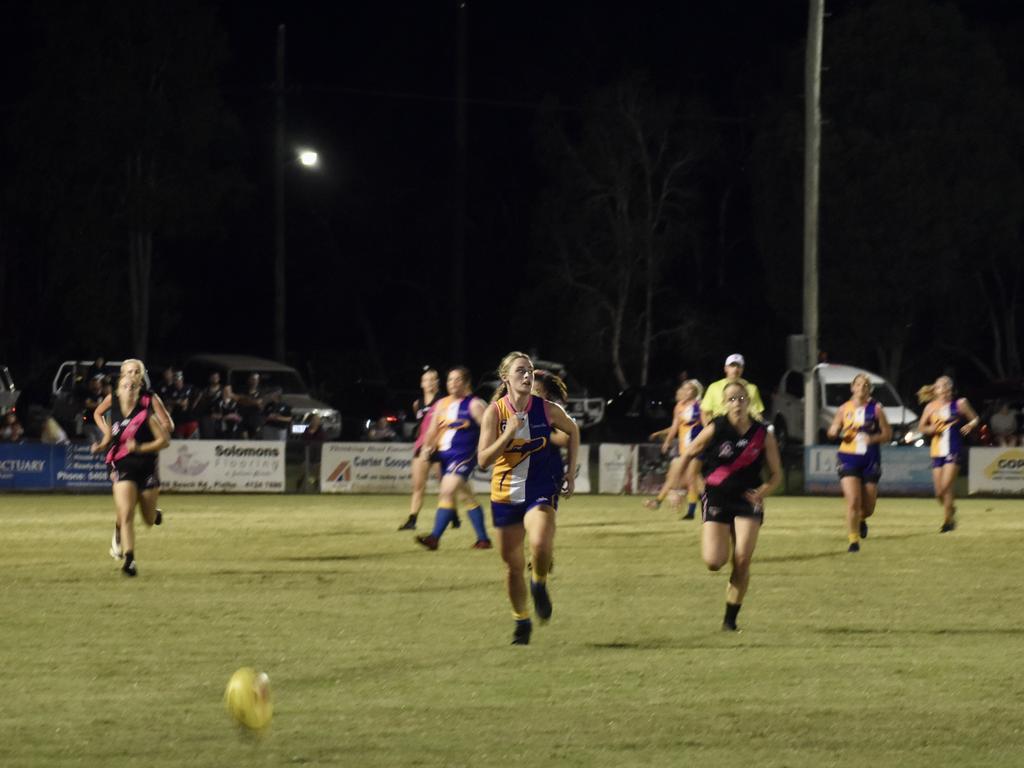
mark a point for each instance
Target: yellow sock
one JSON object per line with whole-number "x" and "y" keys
{"x": 692, "y": 497}
{"x": 853, "y": 537}
{"x": 661, "y": 496}
{"x": 520, "y": 616}
{"x": 538, "y": 579}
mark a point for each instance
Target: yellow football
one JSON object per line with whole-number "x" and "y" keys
{"x": 247, "y": 698}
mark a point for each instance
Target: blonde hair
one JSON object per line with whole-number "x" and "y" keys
{"x": 867, "y": 380}
{"x": 504, "y": 367}
{"x": 698, "y": 388}
{"x": 928, "y": 392}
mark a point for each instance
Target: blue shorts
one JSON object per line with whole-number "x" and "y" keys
{"x": 456, "y": 464}
{"x": 512, "y": 514}
{"x": 865, "y": 467}
{"x": 950, "y": 458}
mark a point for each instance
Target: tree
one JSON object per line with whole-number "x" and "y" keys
{"x": 120, "y": 144}
{"x": 615, "y": 213}
{"x": 921, "y": 186}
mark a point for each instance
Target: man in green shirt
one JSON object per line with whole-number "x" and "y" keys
{"x": 713, "y": 403}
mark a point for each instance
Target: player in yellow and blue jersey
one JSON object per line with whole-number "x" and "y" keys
{"x": 861, "y": 424}
{"x": 948, "y": 421}
{"x": 452, "y": 438}
{"x": 526, "y": 480}
{"x": 687, "y": 422}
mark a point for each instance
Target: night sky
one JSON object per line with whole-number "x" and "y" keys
{"x": 371, "y": 235}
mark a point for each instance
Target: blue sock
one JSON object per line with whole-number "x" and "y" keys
{"x": 476, "y": 517}
{"x": 441, "y": 520}
{"x": 691, "y": 509}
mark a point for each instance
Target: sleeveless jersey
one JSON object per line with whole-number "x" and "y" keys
{"x": 127, "y": 427}
{"x": 689, "y": 423}
{"x": 733, "y": 462}
{"x": 948, "y": 441}
{"x": 457, "y": 431}
{"x": 423, "y": 419}
{"x": 859, "y": 422}
{"x": 526, "y": 470}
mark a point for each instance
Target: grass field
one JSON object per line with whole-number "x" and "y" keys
{"x": 381, "y": 654}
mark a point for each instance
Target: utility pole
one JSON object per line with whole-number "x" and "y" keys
{"x": 812, "y": 152}
{"x": 459, "y": 251}
{"x": 279, "y": 167}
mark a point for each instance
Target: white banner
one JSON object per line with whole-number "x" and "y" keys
{"x": 386, "y": 468}
{"x": 616, "y": 468}
{"x": 240, "y": 466}
{"x": 996, "y": 470}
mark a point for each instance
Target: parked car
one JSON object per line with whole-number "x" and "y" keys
{"x": 235, "y": 370}
{"x": 8, "y": 394}
{"x": 833, "y": 384}
{"x": 634, "y": 413}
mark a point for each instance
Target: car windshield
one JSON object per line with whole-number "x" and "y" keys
{"x": 837, "y": 394}
{"x": 289, "y": 382}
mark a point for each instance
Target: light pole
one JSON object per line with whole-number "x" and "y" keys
{"x": 307, "y": 158}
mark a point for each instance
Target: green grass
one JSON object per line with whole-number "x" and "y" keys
{"x": 381, "y": 654}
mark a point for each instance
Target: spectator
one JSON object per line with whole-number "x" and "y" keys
{"x": 1003, "y": 424}
{"x": 277, "y": 417}
{"x": 714, "y": 404}
{"x": 51, "y": 432}
{"x": 10, "y": 428}
{"x": 99, "y": 366}
{"x": 226, "y": 416}
{"x": 166, "y": 387}
{"x": 250, "y": 406}
{"x": 181, "y": 398}
{"x": 315, "y": 432}
{"x": 91, "y": 400}
{"x": 204, "y": 406}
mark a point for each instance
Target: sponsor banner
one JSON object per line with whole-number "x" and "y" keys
{"x": 26, "y": 466}
{"x": 616, "y": 468}
{"x": 368, "y": 468}
{"x": 996, "y": 470}
{"x": 387, "y": 468}
{"x": 905, "y": 471}
{"x": 236, "y": 466}
{"x": 77, "y": 468}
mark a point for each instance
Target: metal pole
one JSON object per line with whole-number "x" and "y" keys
{"x": 812, "y": 150}
{"x": 459, "y": 251}
{"x": 279, "y": 163}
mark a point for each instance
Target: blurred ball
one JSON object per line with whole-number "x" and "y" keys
{"x": 247, "y": 699}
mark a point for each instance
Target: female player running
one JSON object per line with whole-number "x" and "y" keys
{"x": 452, "y": 436}
{"x": 862, "y": 426}
{"x": 134, "y": 370}
{"x": 136, "y": 435}
{"x": 948, "y": 420}
{"x": 735, "y": 448}
{"x": 430, "y": 386}
{"x": 686, "y": 425}
{"x": 527, "y": 478}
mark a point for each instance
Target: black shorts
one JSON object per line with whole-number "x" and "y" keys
{"x": 140, "y": 470}
{"x": 719, "y": 507}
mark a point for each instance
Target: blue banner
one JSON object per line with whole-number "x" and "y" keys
{"x": 26, "y": 467}
{"x": 78, "y": 469}
{"x": 905, "y": 471}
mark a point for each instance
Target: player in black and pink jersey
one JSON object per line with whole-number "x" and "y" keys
{"x": 135, "y": 371}
{"x": 132, "y": 440}
{"x": 735, "y": 448}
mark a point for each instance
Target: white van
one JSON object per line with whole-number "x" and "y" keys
{"x": 833, "y": 383}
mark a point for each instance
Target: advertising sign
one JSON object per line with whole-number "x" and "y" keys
{"x": 996, "y": 470}
{"x": 26, "y": 467}
{"x": 387, "y": 468}
{"x": 209, "y": 466}
{"x": 616, "y": 468}
{"x": 77, "y": 468}
{"x": 905, "y": 471}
